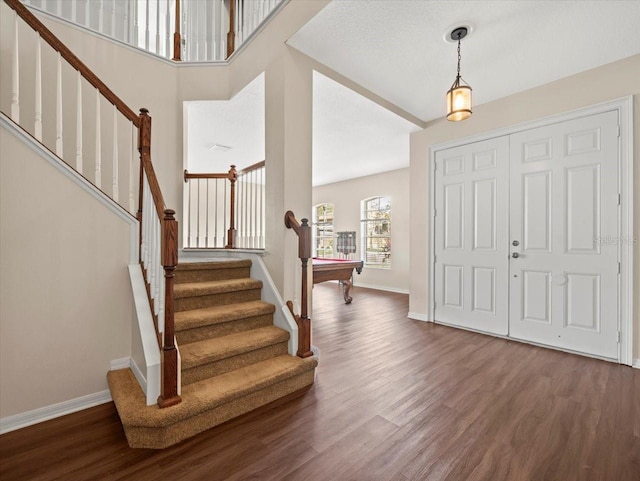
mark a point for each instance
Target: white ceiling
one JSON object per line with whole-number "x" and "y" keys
{"x": 353, "y": 136}
{"x": 395, "y": 48}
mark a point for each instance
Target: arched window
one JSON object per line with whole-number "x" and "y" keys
{"x": 323, "y": 231}
{"x": 376, "y": 232}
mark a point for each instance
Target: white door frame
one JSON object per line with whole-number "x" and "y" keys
{"x": 624, "y": 108}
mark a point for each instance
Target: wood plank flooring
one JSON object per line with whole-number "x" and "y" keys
{"x": 394, "y": 400}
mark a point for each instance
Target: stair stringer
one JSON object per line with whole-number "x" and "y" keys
{"x": 282, "y": 317}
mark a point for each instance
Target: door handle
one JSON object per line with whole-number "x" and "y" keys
{"x": 515, "y": 255}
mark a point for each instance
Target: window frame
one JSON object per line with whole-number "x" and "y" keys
{"x": 381, "y": 219}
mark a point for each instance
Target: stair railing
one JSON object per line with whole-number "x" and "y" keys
{"x": 303, "y": 230}
{"x": 194, "y": 31}
{"x": 225, "y": 209}
{"x": 158, "y": 227}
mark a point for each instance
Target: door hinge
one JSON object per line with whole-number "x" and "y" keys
{"x": 435, "y": 212}
{"x": 618, "y": 131}
{"x": 619, "y": 199}
{"x": 619, "y": 336}
{"x": 435, "y": 258}
{"x": 619, "y": 268}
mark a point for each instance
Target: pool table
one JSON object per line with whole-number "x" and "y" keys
{"x": 336, "y": 270}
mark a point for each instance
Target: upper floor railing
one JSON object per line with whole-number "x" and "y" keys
{"x": 96, "y": 134}
{"x": 188, "y": 30}
{"x": 226, "y": 209}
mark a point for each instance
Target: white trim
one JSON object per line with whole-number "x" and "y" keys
{"x": 397, "y": 290}
{"x": 151, "y": 383}
{"x": 77, "y": 179}
{"x": 419, "y": 317}
{"x": 624, "y": 106}
{"x": 122, "y": 363}
{"x": 636, "y": 363}
{"x": 29, "y": 418}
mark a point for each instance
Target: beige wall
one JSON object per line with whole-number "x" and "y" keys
{"x": 605, "y": 83}
{"x": 346, "y": 197}
{"x": 65, "y": 312}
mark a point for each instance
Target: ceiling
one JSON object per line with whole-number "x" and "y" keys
{"x": 395, "y": 48}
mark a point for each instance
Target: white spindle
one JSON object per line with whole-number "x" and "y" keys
{"x": 168, "y": 36}
{"x": 74, "y": 12}
{"x": 158, "y": 27}
{"x": 132, "y": 186}
{"x": 87, "y": 19}
{"x": 115, "y": 189}
{"x": 101, "y": 16}
{"x": 15, "y": 76}
{"x": 146, "y": 27}
{"x": 59, "y": 143}
{"x": 59, "y": 8}
{"x": 113, "y": 18}
{"x": 38, "y": 94}
{"x": 134, "y": 15}
{"x": 79, "y": 124}
{"x": 126, "y": 31}
{"x": 98, "y": 173}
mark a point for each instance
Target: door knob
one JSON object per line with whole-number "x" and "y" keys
{"x": 515, "y": 243}
{"x": 515, "y": 255}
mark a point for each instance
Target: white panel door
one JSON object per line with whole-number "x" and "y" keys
{"x": 564, "y": 210}
{"x": 471, "y": 236}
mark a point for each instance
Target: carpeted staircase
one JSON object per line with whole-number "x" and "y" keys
{"x": 234, "y": 359}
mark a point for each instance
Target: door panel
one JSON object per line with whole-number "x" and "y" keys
{"x": 471, "y": 266}
{"x": 564, "y": 191}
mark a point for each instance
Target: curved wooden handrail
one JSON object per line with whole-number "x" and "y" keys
{"x": 303, "y": 230}
{"x": 46, "y": 34}
{"x": 147, "y": 166}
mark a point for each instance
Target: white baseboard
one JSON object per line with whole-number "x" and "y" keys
{"x": 29, "y": 418}
{"x": 382, "y": 288}
{"x": 636, "y": 363}
{"x": 40, "y": 415}
{"x": 418, "y": 317}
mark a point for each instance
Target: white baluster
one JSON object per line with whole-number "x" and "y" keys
{"x": 15, "y": 76}
{"x": 146, "y": 26}
{"x": 132, "y": 187}
{"x": 98, "y": 174}
{"x": 86, "y": 13}
{"x": 134, "y": 14}
{"x": 59, "y": 143}
{"x": 158, "y": 27}
{"x": 101, "y": 16}
{"x": 168, "y": 36}
{"x": 115, "y": 190}
{"x": 113, "y": 18}
{"x": 38, "y": 97}
{"x": 59, "y": 8}
{"x": 126, "y": 31}
{"x": 79, "y": 124}
{"x": 74, "y": 12}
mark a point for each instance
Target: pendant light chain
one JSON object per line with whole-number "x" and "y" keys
{"x": 459, "y": 57}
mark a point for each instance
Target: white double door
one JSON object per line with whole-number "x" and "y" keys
{"x": 523, "y": 232}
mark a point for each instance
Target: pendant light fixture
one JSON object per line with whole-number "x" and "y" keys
{"x": 459, "y": 95}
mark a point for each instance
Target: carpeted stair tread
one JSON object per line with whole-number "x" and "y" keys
{"x": 214, "y": 264}
{"x": 202, "y": 396}
{"x": 211, "y": 350}
{"x": 220, "y": 314}
{"x": 196, "y": 289}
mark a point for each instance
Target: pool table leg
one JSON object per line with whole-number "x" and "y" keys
{"x": 346, "y": 287}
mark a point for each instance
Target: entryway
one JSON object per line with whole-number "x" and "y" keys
{"x": 528, "y": 235}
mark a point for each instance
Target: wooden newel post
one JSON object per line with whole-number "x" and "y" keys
{"x": 304, "y": 326}
{"x": 231, "y": 36}
{"x": 169, "y": 375}
{"x": 177, "y": 40}
{"x": 304, "y": 253}
{"x": 144, "y": 147}
{"x": 231, "y": 233}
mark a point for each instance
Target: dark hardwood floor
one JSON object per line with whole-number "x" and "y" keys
{"x": 394, "y": 400}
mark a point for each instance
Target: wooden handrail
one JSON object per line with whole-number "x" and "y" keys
{"x": 169, "y": 260}
{"x": 220, "y": 175}
{"x": 231, "y": 35}
{"x": 46, "y": 34}
{"x": 303, "y": 230}
{"x": 177, "y": 39}
{"x": 256, "y": 166}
